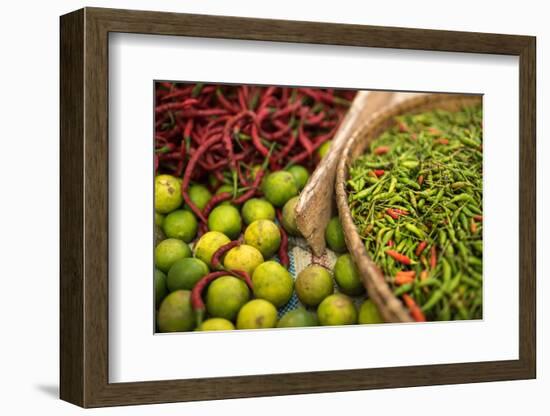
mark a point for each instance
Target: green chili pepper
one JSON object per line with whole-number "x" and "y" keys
{"x": 445, "y": 312}
{"x": 433, "y": 300}
{"x": 415, "y": 230}
{"x": 439, "y": 187}
{"x": 393, "y": 182}
{"x": 401, "y": 290}
{"x": 446, "y": 270}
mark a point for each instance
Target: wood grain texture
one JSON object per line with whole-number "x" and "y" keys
{"x": 527, "y": 208}
{"x": 71, "y": 217}
{"x": 84, "y": 206}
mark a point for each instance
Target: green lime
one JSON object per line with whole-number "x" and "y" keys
{"x": 257, "y": 209}
{"x": 217, "y": 324}
{"x": 243, "y": 257}
{"x": 256, "y": 314}
{"x": 225, "y": 296}
{"x": 185, "y": 273}
{"x": 273, "y": 283}
{"x": 225, "y": 219}
{"x": 334, "y": 235}
{"x": 263, "y": 235}
{"x": 279, "y": 187}
{"x": 323, "y": 149}
{"x": 169, "y": 251}
{"x": 254, "y": 171}
{"x": 199, "y": 195}
{"x": 167, "y": 193}
{"x": 175, "y": 312}
{"x": 301, "y": 175}
{"x": 337, "y": 309}
{"x": 208, "y": 244}
{"x": 159, "y": 219}
{"x": 314, "y": 284}
{"x": 289, "y": 217}
{"x": 181, "y": 224}
{"x": 226, "y": 189}
{"x": 369, "y": 314}
{"x": 347, "y": 277}
{"x": 298, "y": 318}
{"x": 160, "y": 286}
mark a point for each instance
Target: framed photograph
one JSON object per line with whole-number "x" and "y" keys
{"x": 256, "y": 207}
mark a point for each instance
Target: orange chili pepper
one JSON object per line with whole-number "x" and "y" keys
{"x": 414, "y": 309}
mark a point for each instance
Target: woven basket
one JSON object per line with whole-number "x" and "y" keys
{"x": 391, "y": 309}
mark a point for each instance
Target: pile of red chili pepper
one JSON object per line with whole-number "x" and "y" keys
{"x": 230, "y": 134}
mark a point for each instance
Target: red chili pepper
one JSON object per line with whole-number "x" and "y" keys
{"x": 391, "y": 243}
{"x": 442, "y": 140}
{"x": 170, "y": 134}
{"x": 414, "y": 309}
{"x": 216, "y": 257}
{"x": 421, "y": 179}
{"x": 290, "y": 145}
{"x": 395, "y": 213}
{"x": 304, "y": 140}
{"x": 178, "y": 93}
{"x": 420, "y": 248}
{"x": 188, "y": 172}
{"x": 403, "y": 128}
{"x": 176, "y": 106}
{"x": 404, "y": 277}
{"x": 381, "y": 150}
{"x": 215, "y": 200}
{"x": 401, "y": 258}
{"x": 315, "y": 119}
{"x": 244, "y": 276}
{"x": 196, "y": 294}
{"x": 203, "y": 113}
{"x": 188, "y": 128}
{"x": 433, "y": 257}
{"x": 283, "y": 247}
{"x": 423, "y": 275}
{"x": 478, "y": 217}
{"x": 318, "y": 95}
{"x": 189, "y": 115}
{"x": 242, "y": 99}
{"x": 473, "y": 226}
{"x": 379, "y": 172}
{"x": 179, "y": 169}
{"x": 392, "y": 214}
{"x": 264, "y": 151}
{"x": 226, "y": 103}
{"x": 290, "y": 108}
{"x": 253, "y": 188}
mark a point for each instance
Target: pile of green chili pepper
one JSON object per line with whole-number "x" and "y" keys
{"x": 416, "y": 199}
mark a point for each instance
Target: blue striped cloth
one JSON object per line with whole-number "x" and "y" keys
{"x": 293, "y": 303}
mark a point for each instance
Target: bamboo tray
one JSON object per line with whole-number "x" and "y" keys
{"x": 391, "y": 309}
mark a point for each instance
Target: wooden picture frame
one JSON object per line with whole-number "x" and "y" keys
{"x": 84, "y": 207}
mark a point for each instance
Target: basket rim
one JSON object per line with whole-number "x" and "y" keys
{"x": 390, "y": 307}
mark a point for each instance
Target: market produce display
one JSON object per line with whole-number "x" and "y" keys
{"x": 416, "y": 199}
{"x": 230, "y": 163}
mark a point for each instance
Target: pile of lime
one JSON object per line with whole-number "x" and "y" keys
{"x": 184, "y": 256}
